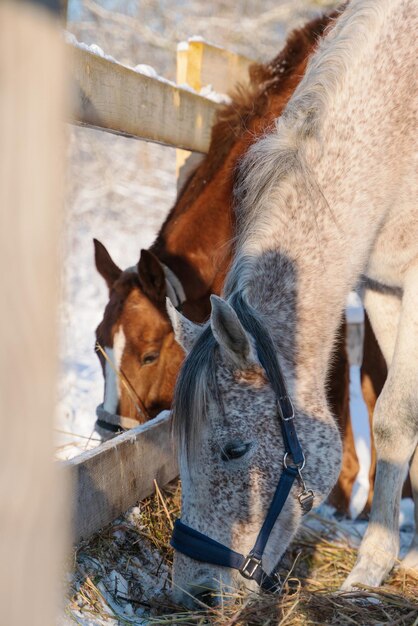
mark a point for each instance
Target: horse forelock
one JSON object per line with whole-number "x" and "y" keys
{"x": 197, "y": 384}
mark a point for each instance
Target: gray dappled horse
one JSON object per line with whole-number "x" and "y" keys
{"x": 324, "y": 201}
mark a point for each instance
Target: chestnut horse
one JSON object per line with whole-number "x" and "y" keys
{"x": 136, "y": 336}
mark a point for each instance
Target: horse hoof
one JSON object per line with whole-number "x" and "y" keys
{"x": 368, "y": 574}
{"x": 410, "y": 562}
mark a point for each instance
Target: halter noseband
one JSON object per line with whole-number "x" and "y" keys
{"x": 204, "y": 549}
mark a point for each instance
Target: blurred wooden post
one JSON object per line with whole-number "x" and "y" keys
{"x": 32, "y": 537}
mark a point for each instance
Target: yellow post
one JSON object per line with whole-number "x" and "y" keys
{"x": 200, "y": 64}
{"x": 187, "y": 74}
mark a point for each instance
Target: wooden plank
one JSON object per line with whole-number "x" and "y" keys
{"x": 119, "y": 473}
{"x": 115, "y": 98}
{"x": 32, "y": 537}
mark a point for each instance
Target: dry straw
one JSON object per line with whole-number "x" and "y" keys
{"x": 315, "y": 566}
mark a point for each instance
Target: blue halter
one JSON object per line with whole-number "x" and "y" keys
{"x": 202, "y": 548}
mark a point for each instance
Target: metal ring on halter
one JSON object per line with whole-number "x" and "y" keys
{"x": 298, "y": 466}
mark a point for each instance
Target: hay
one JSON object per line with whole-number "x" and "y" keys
{"x": 137, "y": 547}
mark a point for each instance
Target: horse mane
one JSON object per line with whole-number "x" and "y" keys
{"x": 270, "y": 163}
{"x": 249, "y": 102}
{"x": 267, "y": 80}
{"x": 196, "y": 384}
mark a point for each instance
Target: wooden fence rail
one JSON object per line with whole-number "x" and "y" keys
{"x": 119, "y": 473}
{"x": 115, "y": 98}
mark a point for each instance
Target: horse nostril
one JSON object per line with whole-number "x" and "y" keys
{"x": 207, "y": 597}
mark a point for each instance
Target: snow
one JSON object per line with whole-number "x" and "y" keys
{"x": 146, "y": 70}
{"x": 208, "y": 92}
{"x": 200, "y": 39}
{"x": 197, "y": 38}
{"x": 182, "y": 46}
{"x": 362, "y": 441}
{"x": 119, "y": 191}
{"x": 128, "y": 574}
{"x": 93, "y": 48}
{"x": 354, "y": 311}
{"x": 355, "y": 529}
{"x": 117, "y": 583}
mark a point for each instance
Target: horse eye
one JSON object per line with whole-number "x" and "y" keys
{"x": 234, "y": 451}
{"x": 149, "y": 358}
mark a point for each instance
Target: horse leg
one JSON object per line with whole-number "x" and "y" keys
{"x": 395, "y": 429}
{"x": 373, "y": 376}
{"x": 410, "y": 562}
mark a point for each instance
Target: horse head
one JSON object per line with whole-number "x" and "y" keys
{"x": 229, "y": 428}
{"x": 135, "y": 341}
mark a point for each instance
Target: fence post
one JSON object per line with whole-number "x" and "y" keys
{"x": 200, "y": 64}
{"x": 32, "y": 521}
{"x": 186, "y": 161}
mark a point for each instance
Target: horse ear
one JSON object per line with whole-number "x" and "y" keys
{"x": 105, "y": 265}
{"x": 230, "y": 334}
{"x": 185, "y": 331}
{"x": 151, "y": 276}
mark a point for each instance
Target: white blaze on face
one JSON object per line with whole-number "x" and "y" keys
{"x": 112, "y": 383}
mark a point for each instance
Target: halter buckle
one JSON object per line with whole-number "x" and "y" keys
{"x": 289, "y": 401}
{"x": 250, "y": 566}
{"x": 306, "y": 496}
{"x": 306, "y": 499}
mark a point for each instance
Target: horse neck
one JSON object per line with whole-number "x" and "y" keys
{"x": 315, "y": 193}
{"x": 195, "y": 239}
